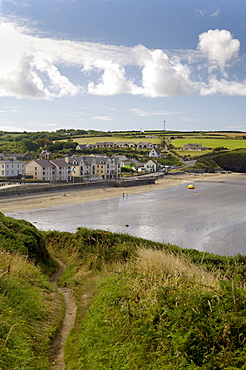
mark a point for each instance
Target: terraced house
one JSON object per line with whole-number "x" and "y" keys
{"x": 89, "y": 168}
{"x": 49, "y": 170}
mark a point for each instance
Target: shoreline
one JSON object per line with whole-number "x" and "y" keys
{"x": 48, "y": 200}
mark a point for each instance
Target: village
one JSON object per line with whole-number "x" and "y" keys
{"x": 80, "y": 167}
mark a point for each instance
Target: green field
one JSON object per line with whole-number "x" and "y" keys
{"x": 212, "y": 143}
{"x": 114, "y": 139}
{"x": 192, "y": 153}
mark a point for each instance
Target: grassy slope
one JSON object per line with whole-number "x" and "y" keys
{"x": 30, "y": 309}
{"x": 114, "y": 139}
{"x": 228, "y": 143}
{"x": 141, "y": 305}
{"x": 154, "y": 306}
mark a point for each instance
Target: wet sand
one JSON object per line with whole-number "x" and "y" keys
{"x": 38, "y": 201}
{"x": 209, "y": 218}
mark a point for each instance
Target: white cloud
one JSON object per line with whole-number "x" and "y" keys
{"x": 224, "y": 87}
{"x": 162, "y": 76}
{"x": 30, "y": 66}
{"x": 10, "y": 109}
{"x": 103, "y": 118}
{"x": 34, "y": 67}
{"x": 142, "y": 113}
{"x": 26, "y": 68}
{"x": 202, "y": 12}
{"x": 219, "y": 47}
{"x": 216, "y": 13}
{"x": 112, "y": 81}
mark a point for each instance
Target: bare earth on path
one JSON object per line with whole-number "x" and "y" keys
{"x": 68, "y": 321}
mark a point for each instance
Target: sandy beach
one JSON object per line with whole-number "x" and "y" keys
{"x": 38, "y": 201}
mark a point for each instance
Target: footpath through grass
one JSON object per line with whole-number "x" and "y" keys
{"x": 141, "y": 305}
{"x": 151, "y": 306}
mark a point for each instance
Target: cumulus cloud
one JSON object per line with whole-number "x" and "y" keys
{"x": 224, "y": 87}
{"x": 112, "y": 81}
{"x": 33, "y": 66}
{"x": 162, "y": 76}
{"x": 27, "y": 70}
{"x": 219, "y": 47}
{"x": 30, "y": 68}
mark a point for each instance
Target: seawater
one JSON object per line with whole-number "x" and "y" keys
{"x": 211, "y": 217}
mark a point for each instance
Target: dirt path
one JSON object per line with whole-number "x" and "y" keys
{"x": 68, "y": 322}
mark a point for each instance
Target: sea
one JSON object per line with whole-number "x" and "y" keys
{"x": 209, "y": 218}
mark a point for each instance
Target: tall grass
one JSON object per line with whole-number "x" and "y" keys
{"x": 160, "y": 308}
{"x": 30, "y": 313}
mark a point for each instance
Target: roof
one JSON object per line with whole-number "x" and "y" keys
{"x": 42, "y": 162}
{"x": 60, "y": 162}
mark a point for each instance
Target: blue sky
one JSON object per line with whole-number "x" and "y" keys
{"x": 122, "y": 65}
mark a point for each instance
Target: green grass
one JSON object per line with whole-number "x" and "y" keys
{"x": 30, "y": 309}
{"x": 141, "y": 305}
{"x": 114, "y": 139}
{"x": 30, "y": 313}
{"x": 151, "y": 305}
{"x": 228, "y": 143}
{"x": 192, "y": 154}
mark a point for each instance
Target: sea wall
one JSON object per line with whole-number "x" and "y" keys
{"x": 25, "y": 189}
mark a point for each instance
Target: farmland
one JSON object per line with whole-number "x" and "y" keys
{"x": 228, "y": 143}
{"x": 115, "y": 139}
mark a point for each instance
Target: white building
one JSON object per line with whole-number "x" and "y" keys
{"x": 155, "y": 153}
{"x": 12, "y": 168}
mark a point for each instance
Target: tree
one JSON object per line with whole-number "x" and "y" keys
{"x": 27, "y": 144}
{"x": 43, "y": 143}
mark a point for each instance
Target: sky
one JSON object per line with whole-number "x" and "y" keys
{"x": 120, "y": 65}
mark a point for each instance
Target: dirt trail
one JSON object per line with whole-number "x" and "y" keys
{"x": 68, "y": 322}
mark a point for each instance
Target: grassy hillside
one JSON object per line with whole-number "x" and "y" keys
{"x": 30, "y": 309}
{"x": 232, "y": 161}
{"x": 152, "y": 306}
{"x": 141, "y": 305}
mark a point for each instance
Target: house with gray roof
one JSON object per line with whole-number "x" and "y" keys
{"x": 49, "y": 170}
